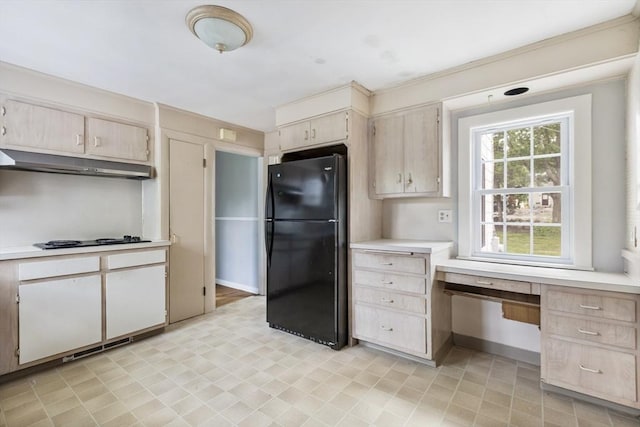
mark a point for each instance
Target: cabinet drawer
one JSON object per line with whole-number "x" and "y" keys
{"x": 133, "y": 259}
{"x": 390, "y": 328}
{"x": 62, "y": 267}
{"x": 390, "y": 262}
{"x": 592, "y": 304}
{"x": 604, "y": 373}
{"x": 591, "y": 330}
{"x": 389, "y": 299}
{"x": 390, "y": 281}
{"x": 489, "y": 282}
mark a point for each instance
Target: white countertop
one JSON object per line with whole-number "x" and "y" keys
{"x": 418, "y": 246}
{"x": 33, "y": 252}
{"x": 616, "y": 282}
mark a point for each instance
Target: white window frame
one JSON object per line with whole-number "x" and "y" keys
{"x": 578, "y": 252}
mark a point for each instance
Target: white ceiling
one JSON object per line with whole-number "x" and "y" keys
{"x": 142, "y": 48}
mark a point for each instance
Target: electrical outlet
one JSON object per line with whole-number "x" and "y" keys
{"x": 444, "y": 215}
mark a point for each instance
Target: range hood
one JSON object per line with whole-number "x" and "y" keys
{"x": 38, "y": 162}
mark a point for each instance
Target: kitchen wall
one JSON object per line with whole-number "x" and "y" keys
{"x": 38, "y": 207}
{"x": 417, "y": 218}
{"x": 237, "y": 220}
{"x": 633, "y": 158}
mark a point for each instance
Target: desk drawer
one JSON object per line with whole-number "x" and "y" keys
{"x": 390, "y": 262}
{"x": 592, "y": 304}
{"x": 591, "y": 330}
{"x": 389, "y": 299}
{"x": 390, "y": 281}
{"x": 389, "y": 328}
{"x": 602, "y": 373}
{"x": 489, "y": 282}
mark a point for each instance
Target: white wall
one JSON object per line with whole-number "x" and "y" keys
{"x": 417, "y": 218}
{"x": 38, "y": 207}
{"x": 237, "y": 215}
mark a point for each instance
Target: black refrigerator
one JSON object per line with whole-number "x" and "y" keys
{"x": 305, "y": 227}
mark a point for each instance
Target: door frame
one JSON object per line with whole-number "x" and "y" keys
{"x": 249, "y": 152}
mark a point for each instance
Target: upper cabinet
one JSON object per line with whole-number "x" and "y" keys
{"x": 35, "y": 128}
{"x": 407, "y": 155}
{"x": 111, "y": 139}
{"x": 31, "y": 126}
{"x": 319, "y": 130}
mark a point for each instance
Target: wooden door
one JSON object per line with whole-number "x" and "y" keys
{"x": 294, "y": 136}
{"x": 117, "y": 140}
{"x": 186, "y": 224}
{"x": 421, "y": 153}
{"x": 27, "y": 125}
{"x": 328, "y": 128}
{"x": 388, "y": 157}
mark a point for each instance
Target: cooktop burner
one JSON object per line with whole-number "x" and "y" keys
{"x": 58, "y": 244}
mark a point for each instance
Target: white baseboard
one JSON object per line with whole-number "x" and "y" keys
{"x": 238, "y": 286}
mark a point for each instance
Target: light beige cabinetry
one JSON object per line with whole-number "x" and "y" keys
{"x": 117, "y": 140}
{"x": 589, "y": 342}
{"x": 397, "y": 304}
{"x": 54, "y": 307}
{"x": 316, "y": 131}
{"x": 407, "y": 155}
{"x": 32, "y": 127}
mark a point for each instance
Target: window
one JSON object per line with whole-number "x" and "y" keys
{"x": 525, "y": 184}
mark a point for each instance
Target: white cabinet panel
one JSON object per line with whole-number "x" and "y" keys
{"x": 135, "y": 300}
{"x": 59, "y": 315}
{"x": 111, "y": 139}
{"x": 53, "y": 268}
{"x": 135, "y": 259}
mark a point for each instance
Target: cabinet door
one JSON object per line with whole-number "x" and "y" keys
{"x": 27, "y": 125}
{"x": 56, "y": 316}
{"x": 294, "y": 136}
{"x": 329, "y": 128}
{"x": 388, "y": 157}
{"x": 421, "y": 151}
{"x": 117, "y": 140}
{"x": 135, "y": 300}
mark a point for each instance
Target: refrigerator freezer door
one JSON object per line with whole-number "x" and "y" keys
{"x": 302, "y": 279}
{"x": 303, "y": 189}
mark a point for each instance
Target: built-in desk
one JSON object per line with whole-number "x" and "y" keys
{"x": 589, "y": 322}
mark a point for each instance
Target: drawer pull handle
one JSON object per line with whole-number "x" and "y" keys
{"x": 386, "y": 263}
{"x": 590, "y": 307}
{"x": 386, "y": 328}
{"x": 484, "y": 282}
{"x": 593, "y": 371}
{"x": 582, "y": 331}
{"x": 390, "y": 301}
{"x": 387, "y": 283}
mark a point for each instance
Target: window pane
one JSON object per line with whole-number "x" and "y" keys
{"x": 547, "y": 241}
{"x": 492, "y": 238}
{"x": 518, "y": 208}
{"x": 492, "y": 208}
{"x": 518, "y": 174}
{"x": 493, "y": 175}
{"x": 519, "y": 142}
{"x": 518, "y": 239}
{"x": 492, "y": 146}
{"x": 546, "y": 139}
{"x": 547, "y": 207}
{"x": 547, "y": 171}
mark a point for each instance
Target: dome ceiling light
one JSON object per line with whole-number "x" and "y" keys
{"x": 218, "y": 27}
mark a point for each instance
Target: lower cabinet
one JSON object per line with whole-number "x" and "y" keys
{"x": 58, "y": 316}
{"x": 589, "y": 342}
{"x": 134, "y": 300}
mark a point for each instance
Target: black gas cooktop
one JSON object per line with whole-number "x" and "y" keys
{"x": 60, "y": 244}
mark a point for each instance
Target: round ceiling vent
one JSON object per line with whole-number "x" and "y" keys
{"x": 516, "y": 91}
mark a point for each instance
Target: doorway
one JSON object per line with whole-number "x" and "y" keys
{"x": 238, "y": 213}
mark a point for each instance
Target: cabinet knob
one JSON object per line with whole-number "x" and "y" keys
{"x": 306, "y": 135}
{"x": 386, "y": 328}
{"x": 3, "y": 131}
{"x": 79, "y": 139}
{"x": 409, "y": 179}
{"x": 96, "y": 141}
{"x": 4, "y": 111}
{"x": 399, "y": 178}
{"x": 313, "y": 134}
{"x": 387, "y": 300}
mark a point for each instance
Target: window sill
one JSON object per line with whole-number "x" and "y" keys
{"x": 526, "y": 263}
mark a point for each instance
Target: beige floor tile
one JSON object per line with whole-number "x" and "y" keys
{"x": 467, "y": 401}
{"x": 559, "y": 418}
{"x": 623, "y": 420}
{"x": 459, "y": 414}
{"x": 366, "y": 412}
{"x": 351, "y": 421}
{"x": 388, "y": 419}
{"x": 591, "y": 413}
{"x": 199, "y": 415}
{"x": 527, "y": 407}
{"x": 292, "y": 418}
{"x": 520, "y": 419}
{"x": 494, "y": 411}
{"x": 25, "y": 418}
{"x": 485, "y": 421}
{"x": 237, "y": 412}
{"x": 275, "y": 407}
{"x": 256, "y": 419}
{"x": 123, "y": 420}
{"x": 77, "y": 416}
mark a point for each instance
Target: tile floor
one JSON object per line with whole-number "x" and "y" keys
{"x": 229, "y": 368}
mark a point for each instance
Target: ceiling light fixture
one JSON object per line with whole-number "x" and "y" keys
{"x": 218, "y": 27}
